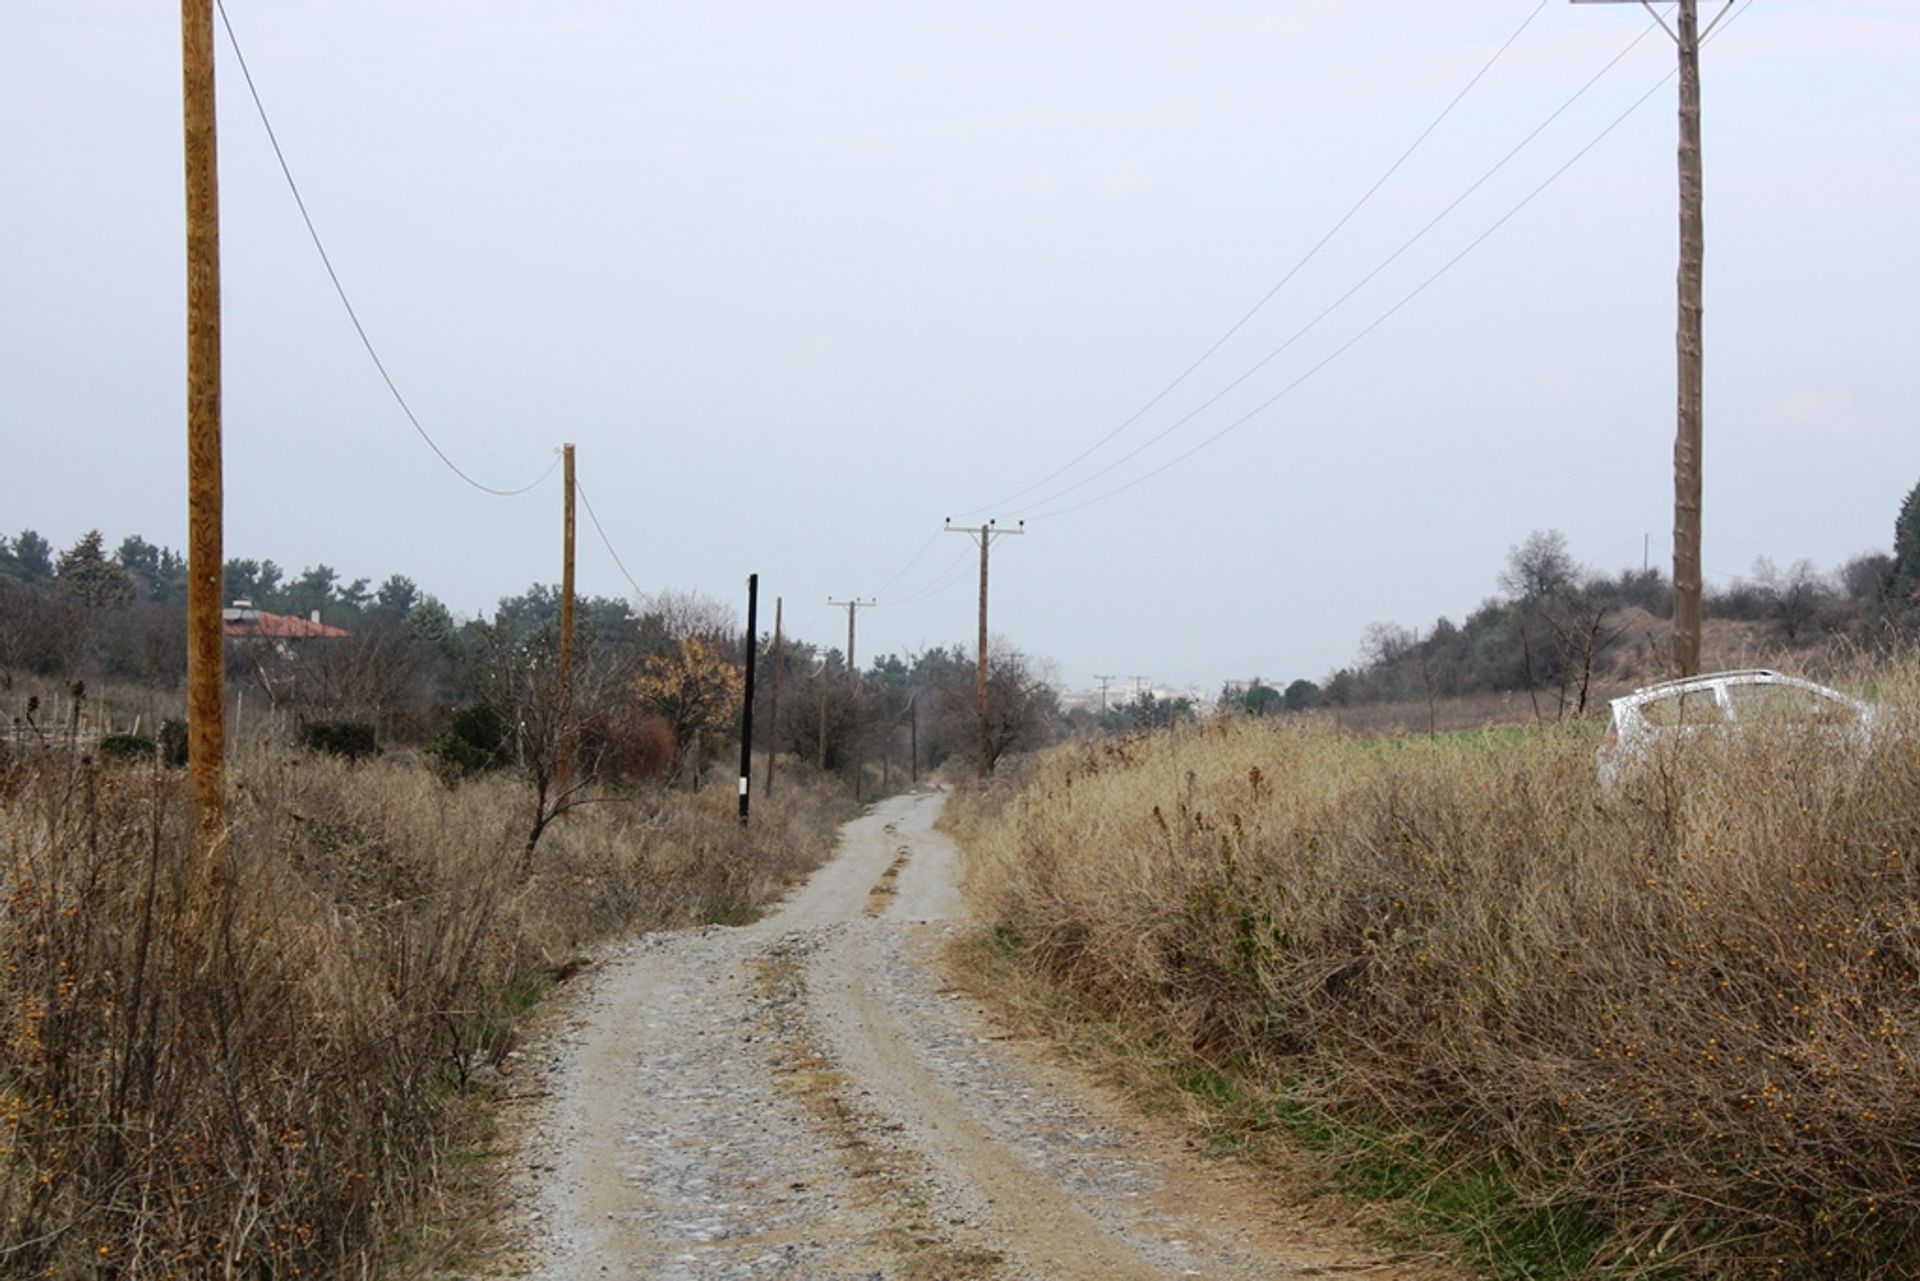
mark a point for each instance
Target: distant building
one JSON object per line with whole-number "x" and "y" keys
{"x": 1119, "y": 694}
{"x": 241, "y": 621}
{"x": 1080, "y": 700}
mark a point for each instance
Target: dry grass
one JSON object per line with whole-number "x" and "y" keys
{"x": 1659, "y": 1031}
{"x": 261, "y": 1080}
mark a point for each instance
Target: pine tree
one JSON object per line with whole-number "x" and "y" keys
{"x": 1906, "y": 551}
{"x": 85, "y": 573}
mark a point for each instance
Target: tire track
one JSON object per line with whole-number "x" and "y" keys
{"x": 807, "y": 1097}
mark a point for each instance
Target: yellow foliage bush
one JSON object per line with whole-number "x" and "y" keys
{"x": 694, "y": 690}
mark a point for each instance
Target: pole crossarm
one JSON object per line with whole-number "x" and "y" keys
{"x": 853, "y": 605}
{"x": 1662, "y": 21}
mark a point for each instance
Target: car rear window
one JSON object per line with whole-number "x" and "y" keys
{"x": 1695, "y": 707}
{"x": 1789, "y": 705}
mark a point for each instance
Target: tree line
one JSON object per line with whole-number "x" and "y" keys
{"x": 1557, "y": 628}
{"x": 657, "y": 684}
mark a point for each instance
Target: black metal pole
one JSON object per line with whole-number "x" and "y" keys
{"x": 746, "y": 703}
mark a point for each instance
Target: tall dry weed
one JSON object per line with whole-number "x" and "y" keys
{"x": 262, "y": 1083}
{"x": 1679, "y": 1016}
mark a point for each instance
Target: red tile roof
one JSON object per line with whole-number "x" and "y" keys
{"x": 278, "y": 627}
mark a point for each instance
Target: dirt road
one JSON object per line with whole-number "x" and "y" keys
{"x": 806, "y": 1098}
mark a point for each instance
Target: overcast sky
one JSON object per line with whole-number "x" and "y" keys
{"x": 800, "y": 280}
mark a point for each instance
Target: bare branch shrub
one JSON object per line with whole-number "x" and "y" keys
{"x": 260, "y": 1085}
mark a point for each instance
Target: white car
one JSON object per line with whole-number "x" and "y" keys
{"x": 1722, "y": 701}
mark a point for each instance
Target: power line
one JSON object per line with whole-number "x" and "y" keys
{"x": 941, "y": 582}
{"x": 605, "y": 541}
{"x": 327, "y": 261}
{"x": 911, "y": 562}
{"x": 1268, "y": 297}
{"x": 1417, "y": 291}
{"x": 1343, "y": 299}
{"x": 807, "y": 626}
{"x": 1381, "y": 320}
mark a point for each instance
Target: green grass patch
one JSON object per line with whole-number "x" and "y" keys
{"x": 1478, "y": 1208}
{"x": 734, "y": 914}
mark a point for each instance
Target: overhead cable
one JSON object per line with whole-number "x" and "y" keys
{"x": 1342, "y": 300}
{"x": 327, "y": 261}
{"x": 1382, "y": 319}
{"x": 911, "y": 562}
{"x": 939, "y": 583}
{"x": 1268, "y": 297}
{"x": 1639, "y": 102}
{"x": 599, "y": 529}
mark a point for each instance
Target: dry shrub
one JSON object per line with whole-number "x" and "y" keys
{"x": 258, "y": 1079}
{"x": 629, "y": 745}
{"x": 1673, "y": 1019}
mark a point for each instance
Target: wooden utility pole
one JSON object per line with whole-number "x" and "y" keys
{"x": 746, "y": 702}
{"x": 853, "y": 608}
{"x": 1688, "y": 341}
{"x": 206, "y": 654}
{"x": 1105, "y": 680}
{"x": 563, "y": 766}
{"x": 1689, "y": 345}
{"x": 984, "y": 535}
{"x": 913, "y": 735}
{"x": 773, "y": 695}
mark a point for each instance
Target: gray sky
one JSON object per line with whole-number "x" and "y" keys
{"x": 801, "y": 280}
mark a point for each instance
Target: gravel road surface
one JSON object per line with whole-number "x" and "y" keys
{"x": 807, "y": 1097}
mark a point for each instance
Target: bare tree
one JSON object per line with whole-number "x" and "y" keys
{"x": 672, "y": 617}
{"x": 521, "y": 678}
{"x": 1386, "y": 647}
{"x": 1867, "y": 577}
{"x": 365, "y": 676}
{"x": 1539, "y": 568}
{"x": 1586, "y": 636}
{"x": 1796, "y": 600}
{"x": 1561, "y": 624}
{"x": 1021, "y": 703}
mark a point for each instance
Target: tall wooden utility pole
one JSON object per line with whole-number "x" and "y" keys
{"x": 746, "y": 702}
{"x": 1105, "y": 680}
{"x": 206, "y": 657}
{"x": 1688, "y": 342}
{"x": 773, "y": 696}
{"x": 853, "y": 607}
{"x": 563, "y": 765}
{"x": 984, "y": 535}
{"x": 1689, "y": 351}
